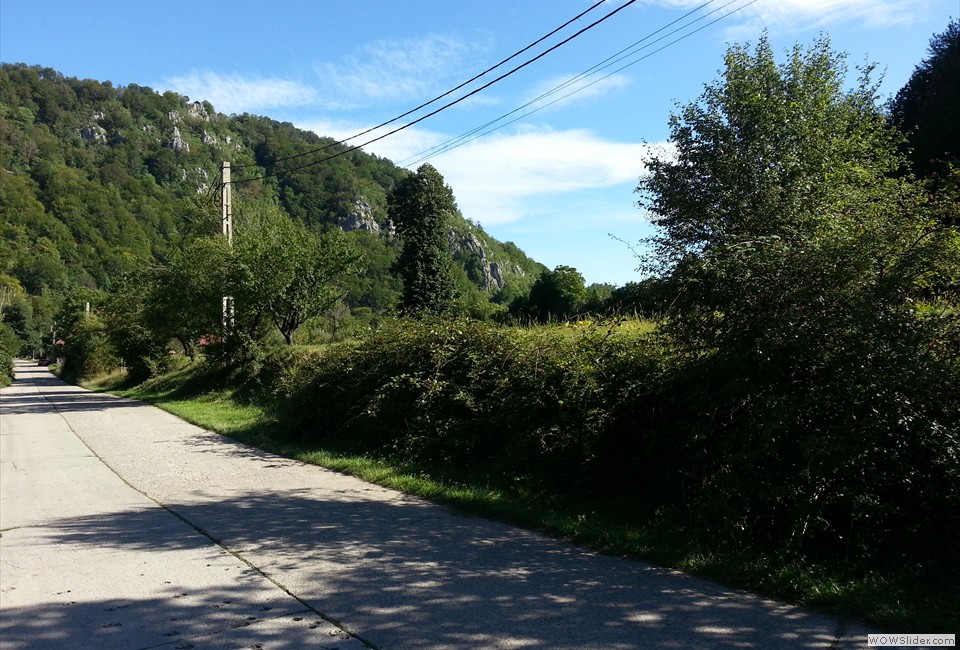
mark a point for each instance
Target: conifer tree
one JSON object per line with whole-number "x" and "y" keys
{"x": 420, "y": 207}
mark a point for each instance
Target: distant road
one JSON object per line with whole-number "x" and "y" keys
{"x": 125, "y": 527}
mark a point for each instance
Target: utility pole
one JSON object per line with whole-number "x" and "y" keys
{"x": 226, "y": 218}
{"x": 226, "y": 202}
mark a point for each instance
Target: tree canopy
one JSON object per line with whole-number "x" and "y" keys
{"x": 289, "y": 273}
{"x": 557, "y": 295}
{"x": 810, "y": 313}
{"x": 422, "y": 207}
{"x": 927, "y": 108}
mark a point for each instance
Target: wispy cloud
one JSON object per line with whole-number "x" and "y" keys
{"x": 400, "y": 70}
{"x": 791, "y": 15}
{"x": 494, "y": 177}
{"x": 235, "y": 93}
{"x": 563, "y": 90}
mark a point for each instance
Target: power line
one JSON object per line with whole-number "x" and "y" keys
{"x": 449, "y": 104}
{"x": 479, "y": 131}
{"x": 438, "y": 97}
{"x": 447, "y": 145}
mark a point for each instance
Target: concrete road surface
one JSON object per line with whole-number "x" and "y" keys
{"x": 125, "y": 527}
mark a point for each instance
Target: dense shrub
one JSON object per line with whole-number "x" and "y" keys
{"x": 88, "y": 351}
{"x": 861, "y": 466}
{"x": 529, "y": 404}
{"x": 9, "y": 346}
{"x": 864, "y": 471}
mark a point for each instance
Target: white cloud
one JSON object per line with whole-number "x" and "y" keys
{"x": 404, "y": 69}
{"x": 235, "y": 93}
{"x": 563, "y": 90}
{"x": 495, "y": 178}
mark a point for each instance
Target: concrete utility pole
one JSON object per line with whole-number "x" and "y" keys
{"x": 226, "y": 218}
{"x": 226, "y": 202}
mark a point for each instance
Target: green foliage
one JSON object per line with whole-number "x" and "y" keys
{"x": 88, "y": 352}
{"x": 375, "y": 287}
{"x": 820, "y": 397}
{"x": 598, "y": 298}
{"x": 534, "y": 405}
{"x": 9, "y": 347}
{"x": 422, "y": 207}
{"x": 128, "y": 327}
{"x": 287, "y": 272}
{"x": 18, "y": 315}
{"x": 927, "y": 108}
{"x": 556, "y": 295}
{"x": 182, "y": 300}
{"x": 11, "y": 292}
{"x": 650, "y": 298}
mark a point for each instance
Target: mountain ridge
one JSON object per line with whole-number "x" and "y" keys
{"x": 99, "y": 179}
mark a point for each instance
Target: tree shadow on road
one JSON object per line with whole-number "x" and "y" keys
{"x": 406, "y": 573}
{"x": 177, "y": 619}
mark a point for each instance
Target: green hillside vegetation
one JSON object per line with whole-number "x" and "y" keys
{"x": 99, "y": 183}
{"x": 776, "y": 404}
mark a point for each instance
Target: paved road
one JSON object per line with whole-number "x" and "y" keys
{"x": 124, "y": 527}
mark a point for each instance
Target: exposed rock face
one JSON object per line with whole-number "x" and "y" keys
{"x": 94, "y": 133}
{"x": 197, "y": 111}
{"x": 361, "y": 218}
{"x": 198, "y": 172}
{"x": 177, "y": 143}
{"x": 209, "y": 139}
{"x": 496, "y": 274}
{"x": 491, "y": 275}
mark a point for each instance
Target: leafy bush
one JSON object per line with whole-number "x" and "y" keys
{"x": 88, "y": 351}
{"x": 803, "y": 461}
{"x": 9, "y": 346}
{"x": 528, "y": 404}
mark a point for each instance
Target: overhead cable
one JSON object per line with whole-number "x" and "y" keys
{"x": 449, "y": 104}
{"x": 483, "y": 129}
{"x": 444, "y": 146}
{"x": 441, "y": 96}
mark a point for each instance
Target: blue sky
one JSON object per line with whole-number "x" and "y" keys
{"x": 558, "y": 182}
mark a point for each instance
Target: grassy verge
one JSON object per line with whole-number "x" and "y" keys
{"x": 604, "y": 524}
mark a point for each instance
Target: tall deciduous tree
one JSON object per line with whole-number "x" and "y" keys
{"x": 822, "y": 385}
{"x": 780, "y": 205}
{"x": 183, "y": 298}
{"x": 420, "y": 207}
{"x": 288, "y": 273}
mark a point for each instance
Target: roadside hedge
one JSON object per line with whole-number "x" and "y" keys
{"x": 536, "y": 405}
{"x": 821, "y": 468}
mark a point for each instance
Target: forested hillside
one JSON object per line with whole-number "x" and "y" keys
{"x": 98, "y": 181}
